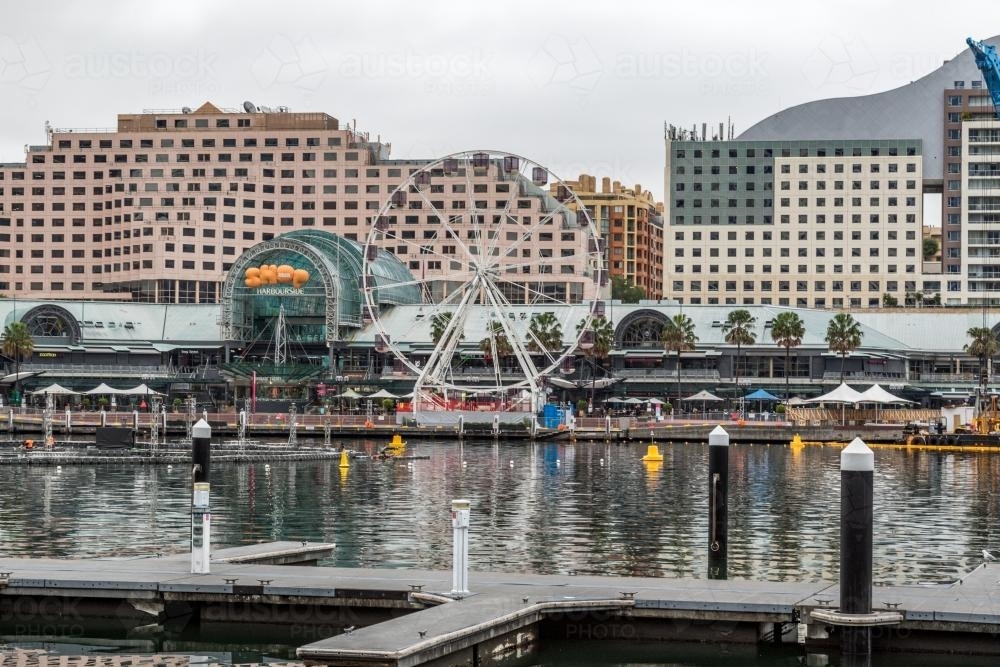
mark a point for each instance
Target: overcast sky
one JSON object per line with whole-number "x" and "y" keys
{"x": 576, "y": 86}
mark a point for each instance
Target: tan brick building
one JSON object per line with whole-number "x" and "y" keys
{"x": 631, "y": 222}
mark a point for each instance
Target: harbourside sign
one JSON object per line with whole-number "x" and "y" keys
{"x": 280, "y": 291}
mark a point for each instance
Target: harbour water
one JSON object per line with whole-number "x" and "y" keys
{"x": 545, "y": 508}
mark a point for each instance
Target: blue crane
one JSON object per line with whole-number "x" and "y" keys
{"x": 989, "y": 64}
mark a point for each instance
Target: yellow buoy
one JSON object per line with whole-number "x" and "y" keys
{"x": 344, "y": 461}
{"x": 797, "y": 441}
{"x": 652, "y": 454}
{"x": 397, "y": 441}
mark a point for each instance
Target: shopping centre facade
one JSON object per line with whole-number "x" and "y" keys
{"x": 215, "y": 351}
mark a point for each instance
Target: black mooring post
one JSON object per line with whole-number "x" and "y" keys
{"x": 201, "y": 513}
{"x": 857, "y": 471}
{"x": 718, "y": 504}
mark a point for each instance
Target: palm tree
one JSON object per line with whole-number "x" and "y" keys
{"x": 787, "y": 331}
{"x": 603, "y": 339}
{"x": 17, "y": 344}
{"x": 678, "y": 336}
{"x": 984, "y": 346}
{"x": 843, "y": 335}
{"x": 739, "y": 326}
{"x": 439, "y": 324}
{"x": 496, "y": 343}
{"x": 544, "y": 333}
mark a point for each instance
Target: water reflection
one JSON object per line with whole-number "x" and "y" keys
{"x": 584, "y": 508}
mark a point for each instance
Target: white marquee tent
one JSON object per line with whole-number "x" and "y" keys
{"x": 876, "y": 394}
{"x": 842, "y": 394}
{"x": 56, "y": 390}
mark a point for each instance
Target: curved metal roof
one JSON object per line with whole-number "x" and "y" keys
{"x": 333, "y": 289}
{"x": 912, "y": 111}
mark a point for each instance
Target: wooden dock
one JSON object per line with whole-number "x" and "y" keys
{"x": 408, "y": 617}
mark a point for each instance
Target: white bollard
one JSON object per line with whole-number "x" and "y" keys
{"x": 460, "y": 559}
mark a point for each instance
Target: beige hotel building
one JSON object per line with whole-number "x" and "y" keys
{"x": 159, "y": 208}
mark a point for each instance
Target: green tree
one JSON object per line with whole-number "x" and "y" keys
{"x": 843, "y": 335}
{"x": 738, "y": 329}
{"x": 787, "y": 330}
{"x": 17, "y": 344}
{"x": 623, "y": 290}
{"x": 679, "y": 336}
{"x": 439, "y": 324}
{"x": 602, "y": 338}
{"x": 544, "y": 333}
{"x": 496, "y": 345}
{"x": 984, "y": 346}
{"x": 889, "y": 301}
{"x": 931, "y": 248}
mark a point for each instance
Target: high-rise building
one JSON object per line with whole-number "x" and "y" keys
{"x": 810, "y": 224}
{"x": 945, "y": 120}
{"x": 970, "y": 245}
{"x": 630, "y": 221}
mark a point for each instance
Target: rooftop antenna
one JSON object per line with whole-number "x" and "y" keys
{"x": 249, "y": 107}
{"x": 185, "y": 109}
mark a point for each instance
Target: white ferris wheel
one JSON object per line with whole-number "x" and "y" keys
{"x": 498, "y": 247}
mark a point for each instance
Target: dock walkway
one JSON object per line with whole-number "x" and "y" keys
{"x": 422, "y": 623}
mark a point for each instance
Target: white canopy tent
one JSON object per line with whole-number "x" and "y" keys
{"x": 382, "y": 393}
{"x": 879, "y": 396}
{"x": 56, "y": 390}
{"x": 105, "y": 390}
{"x": 876, "y": 394}
{"x": 704, "y": 396}
{"x": 842, "y": 394}
{"x": 350, "y": 394}
{"x": 141, "y": 390}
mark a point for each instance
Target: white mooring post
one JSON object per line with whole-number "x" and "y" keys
{"x": 201, "y": 515}
{"x": 460, "y": 559}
